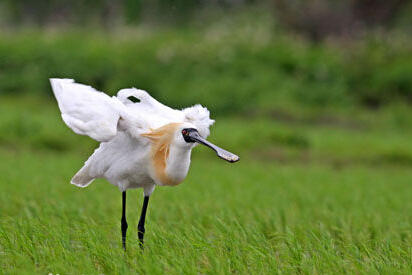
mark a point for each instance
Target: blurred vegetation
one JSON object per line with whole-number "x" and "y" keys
{"x": 316, "y": 18}
{"x": 287, "y": 61}
{"x": 232, "y": 56}
{"x": 227, "y": 68}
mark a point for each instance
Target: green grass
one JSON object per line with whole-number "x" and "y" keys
{"x": 309, "y": 196}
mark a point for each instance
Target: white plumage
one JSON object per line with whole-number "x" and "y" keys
{"x": 125, "y": 156}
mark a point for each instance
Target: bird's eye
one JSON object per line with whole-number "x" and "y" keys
{"x": 184, "y": 132}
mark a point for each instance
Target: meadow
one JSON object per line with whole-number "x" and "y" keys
{"x": 313, "y": 193}
{"x": 323, "y": 130}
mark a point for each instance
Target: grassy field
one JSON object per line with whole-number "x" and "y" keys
{"x": 313, "y": 194}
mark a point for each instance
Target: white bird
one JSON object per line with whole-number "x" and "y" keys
{"x": 143, "y": 144}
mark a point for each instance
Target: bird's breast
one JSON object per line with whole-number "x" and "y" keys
{"x": 170, "y": 162}
{"x": 175, "y": 167}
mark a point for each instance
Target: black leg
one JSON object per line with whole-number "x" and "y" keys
{"x": 124, "y": 222}
{"x": 140, "y": 226}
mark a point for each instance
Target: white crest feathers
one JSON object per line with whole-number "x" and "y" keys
{"x": 200, "y": 117}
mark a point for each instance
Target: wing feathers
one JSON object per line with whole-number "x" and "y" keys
{"x": 90, "y": 112}
{"x": 85, "y": 110}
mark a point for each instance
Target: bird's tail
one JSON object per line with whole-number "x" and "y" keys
{"x": 82, "y": 177}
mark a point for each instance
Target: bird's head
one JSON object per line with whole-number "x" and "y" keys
{"x": 187, "y": 135}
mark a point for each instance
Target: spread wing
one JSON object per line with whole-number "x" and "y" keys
{"x": 90, "y": 112}
{"x": 87, "y": 111}
{"x": 158, "y": 114}
{"x": 148, "y": 109}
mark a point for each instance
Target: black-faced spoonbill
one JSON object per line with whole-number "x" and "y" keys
{"x": 143, "y": 144}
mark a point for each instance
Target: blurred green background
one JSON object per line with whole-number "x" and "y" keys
{"x": 315, "y": 96}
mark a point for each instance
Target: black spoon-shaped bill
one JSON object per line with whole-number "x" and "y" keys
{"x": 192, "y": 135}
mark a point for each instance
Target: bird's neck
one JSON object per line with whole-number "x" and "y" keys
{"x": 178, "y": 162}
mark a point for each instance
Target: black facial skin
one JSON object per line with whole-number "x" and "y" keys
{"x": 191, "y": 135}
{"x": 186, "y": 134}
